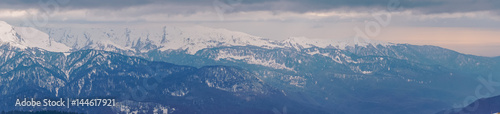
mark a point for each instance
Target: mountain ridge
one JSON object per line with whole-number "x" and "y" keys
{"x": 95, "y": 73}
{"x": 480, "y": 106}
{"x": 23, "y": 37}
{"x": 361, "y": 75}
{"x": 191, "y": 39}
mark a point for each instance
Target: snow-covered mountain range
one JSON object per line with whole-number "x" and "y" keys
{"x": 189, "y": 39}
{"x": 209, "y": 46}
{"x": 347, "y": 75}
{"x": 23, "y": 37}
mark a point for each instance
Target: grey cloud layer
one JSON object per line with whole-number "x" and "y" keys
{"x": 423, "y": 6}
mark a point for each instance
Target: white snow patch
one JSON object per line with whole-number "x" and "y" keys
{"x": 66, "y": 54}
{"x": 180, "y": 93}
{"x": 366, "y": 72}
{"x": 314, "y": 52}
{"x": 297, "y": 81}
{"x": 252, "y": 60}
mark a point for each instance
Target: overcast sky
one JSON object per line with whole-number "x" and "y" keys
{"x": 467, "y": 26}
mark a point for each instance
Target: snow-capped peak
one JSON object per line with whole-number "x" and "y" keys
{"x": 9, "y": 36}
{"x": 363, "y": 42}
{"x": 191, "y": 39}
{"x": 198, "y": 37}
{"x": 24, "y": 37}
{"x": 303, "y": 42}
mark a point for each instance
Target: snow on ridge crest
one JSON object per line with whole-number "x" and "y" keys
{"x": 303, "y": 42}
{"x": 9, "y": 36}
{"x": 200, "y": 37}
{"x": 252, "y": 60}
{"x": 191, "y": 39}
{"x": 24, "y": 37}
